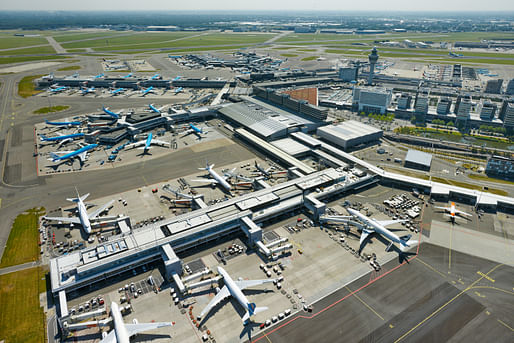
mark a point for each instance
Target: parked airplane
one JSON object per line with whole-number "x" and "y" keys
{"x": 146, "y": 143}
{"x": 453, "y": 212}
{"x": 63, "y": 123}
{"x": 178, "y": 90}
{"x": 127, "y": 76}
{"x": 453, "y": 54}
{"x": 84, "y": 218}
{"x": 80, "y": 153}
{"x": 57, "y": 89}
{"x": 117, "y": 91}
{"x": 154, "y": 109}
{"x": 177, "y": 78}
{"x": 86, "y": 91}
{"x": 147, "y": 90}
{"x": 234, "y": 288}
{"x": 99, "y": 76}
{"x": 216, "y": 178}
{"x": 111, "y": 113}
{"x": 371, "y": 225}
{"x": 156, "y": 77}
{"x": 195, "y": 130}
{"x": 62, "y": 139}
{"x": 268, "y": 173}
{"x": 122, "y": 332}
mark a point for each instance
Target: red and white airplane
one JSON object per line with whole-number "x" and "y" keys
{"x": 453, "y": 212}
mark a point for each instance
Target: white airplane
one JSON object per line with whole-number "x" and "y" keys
{"x": 146, "y": 143}
{"x": 268, "y": 173}
{"x": 371, "y": 225}
{"x": 84, "y": 218}
{"x": 216, "y": 178}
{"x": 122, "y": 332}
{"x": 235, "y": 288}
{"x": 453, "y": 212}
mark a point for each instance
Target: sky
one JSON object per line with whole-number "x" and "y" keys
{"x": 297, "y": 5}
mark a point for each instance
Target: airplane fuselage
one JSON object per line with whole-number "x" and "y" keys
{"x": 378, "y": 228}
{"x": 77, "y": 152}
{"x": 84, "y": 218}
{"x": 122, "y": 335}
{"x": 219, "y": 179}
{"x": 60, "y": 138}
{"x": 233, "y": 289}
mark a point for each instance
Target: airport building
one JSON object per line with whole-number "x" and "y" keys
{"x": 507, "y": 113}
{"x": 404, "y": 101}
{"x": 463, "y": 107}
{"x": 421, "y": 104}
{"x": 443, "y": 107}
{"x": 499, "y": 166}
{"x": 418, "y": 160}
{"x": 349, "y": 134}
{"x": 510, "y": 87}
{"x": 487, "y": 110}
{"x": 349, "y": 73}
{"x": 494, "y": 86}
{"x": 371, "y": 100}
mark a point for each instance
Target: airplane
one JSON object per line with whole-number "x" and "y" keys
{"x": 63, "y": 123}
{"x": 57, "y": 89}
{"x": 81, "y": 153}
{"x": 196, "y": 130}
{"x": 127, "y": 76}
{"x": 156, "y": 77}
{"x": 99, "y": 76}
{"x": 178, "y": 90}
{"x": 146, "y": 91}
{"x": 48, "y": 77}
{"x": 216, "y": 178}
{"x": 453, "y": 54}
{"x": 122, "y": 332}
{"x": 111, "y": 113}
{"x": 267, "y": 172}
{"x": 117, "y": 91}
{"x": 87, "y": 90}
{"x": 453, "y": 212}
{"x": 177, "y": 78}
{"x": 154, "y": 109}
{"x": 371, "y": 225}
{"x": 62, "y": 139}
{"x": 146, "y": 143}
{"x": 234, "y": 288}
{"x": 84, "y": 218}
{"x": 182, "y": 199}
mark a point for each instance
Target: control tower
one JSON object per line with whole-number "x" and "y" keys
{"x": 373, "y": 58}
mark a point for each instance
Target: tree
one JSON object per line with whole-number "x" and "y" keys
{"x": 450, "y": 123}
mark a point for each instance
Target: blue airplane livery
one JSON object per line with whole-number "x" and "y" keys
{"x": 155, "y": 77}
{"x": 128, "y": 75}
{"x": 60, "y": 138}
{"x": 177, "y": 78}
{"x": 87, "y": 90}
{"x": 117, "y": 91}
{"x": 111, "y": 113}
{"x": 178, "y": 90}
{"x": 62, "y": 123}
{"x": 155, "y": 109}
{"x": 147, "y": 90}
{"x": 99, "y": 76}
{"x": 81, "y": 153}
{"x": 58, "y": 89}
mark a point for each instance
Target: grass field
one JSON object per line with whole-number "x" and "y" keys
{"x": 47, "y": 49}
{"x": 306, "y": 50}
{"x": 407, "y": 173}
{"x": 19, "y": 59}
{"x": 310, "y": 58}
{"x": 26, "y": 86}
{"x": 289, "y": 55}
{"x": 469, "y": 186}
{"x": 483, "y": 177}
{"x": 127, "y": 40}
{"x": 21, "y": 317}
{"x": 44, "y": 110}
{"x": 9, "y": 41}
{"x": 89, "y": 35}
{"x": 69, "y": 68}
{"x": 22, "y": 245}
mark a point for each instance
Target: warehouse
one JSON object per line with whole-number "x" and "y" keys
{"x": 291, "y": 147}
{"x": 349, "y": 134}
{"x": 418, "y": 160}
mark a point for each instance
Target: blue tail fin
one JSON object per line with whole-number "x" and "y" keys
{"x": 251, "y": 308}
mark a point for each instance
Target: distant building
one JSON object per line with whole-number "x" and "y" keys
{"x": 507, "y": 114}
{"x": 500, "y": 167}
{"x": 418, "y": 160}
{"x": 349, "y": 73}
{"x": 404, "y": 101}
{"x": 304, "y": 29}
{"x": 349, "y": 134}
{"x": 443, "y": 107}
{"x": 371, "y": 100}
{"x": 308, "y": 94}
{"x": 494, "y": 86}
{"x": 463, "y": 107}
{"x": 162, "y": 28}
{"x": 510, "y": 87}
{"x": 487, "y": 110}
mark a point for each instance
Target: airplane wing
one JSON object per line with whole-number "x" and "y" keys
{"x": 73, "y": 220}
{"x": 222, "y": 294}
{"x": 136, "y": 144}
{"x": 82, "y": 156}
{"x": 133, "y": 329}
{"x": 463, "y": 213}
{"x": 99, "y": 210}
{"x": 364, "y": 235}
{"x": 243, "y": 284}
{"x": 442, "y": 208}
{"x": 211, "y": 181}
{"x": 158, "y": 142}
{"x": 110, "y": 338}
{"x": 390, "y": 222}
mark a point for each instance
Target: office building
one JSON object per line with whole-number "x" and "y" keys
{"x": 421, "y": 104}
{"x": 487, "y": 110}
{"x": 349, "y": 73}
{"x": 463, "y": 107}
{"x": 510, "y": 87}
{"x": 373, "y": 58}
{"x": 443, "y": 107}
{"x": 507, "y": 113}
{"x": 371, "y": 100}
{"x": 404, "y": 101}
{"x": 349, "y": 134}
{"x": 494, "y": 86}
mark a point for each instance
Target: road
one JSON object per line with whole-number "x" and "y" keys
{"x": 57, "y": 47}
{"x": 18, "y": 267}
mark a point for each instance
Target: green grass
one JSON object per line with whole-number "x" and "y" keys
{"x": 136, "y": 38}
{"x": 483, "y": 177}
{"x": 21, "y": 317}
{"x": 306, "y": 50}
{"x": 288, "y": 55}
{"x": 44, "y": 110}
{"x": 469, "y": 186}
{"x": 22, "y": 245}
{"x": 26, "y": 86}
{"x": 9, "y": 41}
{"x": 284, "y": 48}
{"x": 29, "y": 51}
{"x": 78, "y": 36}
{"x": 407, "y": 173}
{"x": 310, "y": 58}
{"x": 69, "y": 68}
{"x": 18, "y": 59}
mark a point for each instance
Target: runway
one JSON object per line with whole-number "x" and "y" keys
{"x": 413, "y": 302}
